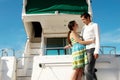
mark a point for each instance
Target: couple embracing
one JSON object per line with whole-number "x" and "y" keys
{"x": 85, "y": 49}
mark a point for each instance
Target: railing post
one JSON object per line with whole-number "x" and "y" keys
{"x": 4, "y": 52}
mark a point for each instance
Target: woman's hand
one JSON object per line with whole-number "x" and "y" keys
{"x": 67, "y": 47}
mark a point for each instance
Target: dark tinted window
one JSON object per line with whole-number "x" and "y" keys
{"x": 37, "y": 29}
{"x": 55, "y": 46}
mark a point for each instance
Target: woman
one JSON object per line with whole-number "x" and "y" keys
{"x": 78, "y": 50}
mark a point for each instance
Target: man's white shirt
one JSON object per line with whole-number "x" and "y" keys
{"x": 91, "y": 32}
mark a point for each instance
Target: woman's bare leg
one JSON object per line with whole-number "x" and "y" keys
{"x": 75, "y": 74}
{"x": 79, "y": 77}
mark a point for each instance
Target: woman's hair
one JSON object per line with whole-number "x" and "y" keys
{"x": 70, "y": 26}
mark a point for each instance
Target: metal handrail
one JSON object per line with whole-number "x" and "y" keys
{"x": 4, "y": 52}
{"x": 55, "y": 48}
{"x": 113, "y": 49}
{"x": 110, "y": 51}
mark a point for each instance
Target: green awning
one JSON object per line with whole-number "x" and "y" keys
{"x": 62, "y": 6}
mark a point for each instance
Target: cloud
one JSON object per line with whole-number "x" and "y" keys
{"x": 111, "y": 37}
{"x": 118, "y": 29}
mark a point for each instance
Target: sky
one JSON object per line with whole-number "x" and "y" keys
{"x": 12, "y": 34}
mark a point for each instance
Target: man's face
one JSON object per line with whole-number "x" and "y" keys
{"x": 85, "y": 20}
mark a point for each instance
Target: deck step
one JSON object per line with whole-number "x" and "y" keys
{"x": 20, "y": 72}
{"x": 24, "y": 78}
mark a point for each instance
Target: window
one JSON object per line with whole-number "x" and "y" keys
{"x": 55, "y": 46}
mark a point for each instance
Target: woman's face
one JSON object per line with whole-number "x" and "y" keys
{"x": 75, "y": 26}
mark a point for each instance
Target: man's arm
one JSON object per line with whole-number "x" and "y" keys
{"x": 97, "y": 41}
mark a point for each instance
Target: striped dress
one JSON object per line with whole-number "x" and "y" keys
{"x": 79, "y": 55}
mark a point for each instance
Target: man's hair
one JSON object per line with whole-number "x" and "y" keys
{"x": 85, "y": 15}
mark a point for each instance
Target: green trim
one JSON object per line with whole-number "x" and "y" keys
{"x": 50, "y": 6}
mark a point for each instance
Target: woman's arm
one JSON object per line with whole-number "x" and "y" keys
{"x": 75, "y": 36}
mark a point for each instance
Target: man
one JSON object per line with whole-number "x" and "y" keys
{"x": 90, "y": 31}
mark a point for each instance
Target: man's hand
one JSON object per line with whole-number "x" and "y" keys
{"x": 96, "y": 56}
